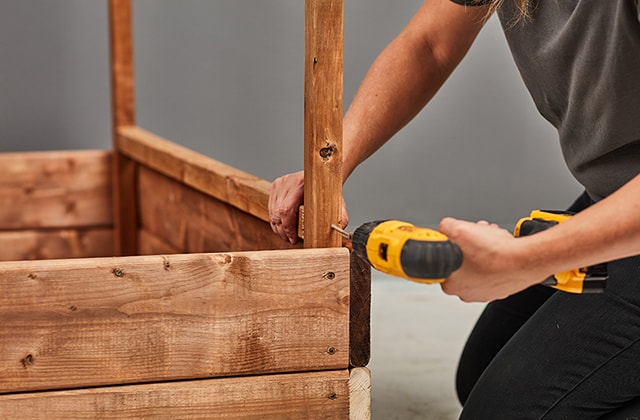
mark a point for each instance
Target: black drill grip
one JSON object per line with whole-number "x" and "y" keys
{"x": 431, "y": 259}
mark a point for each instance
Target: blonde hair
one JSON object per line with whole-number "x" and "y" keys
{"x": 523, "y": 7}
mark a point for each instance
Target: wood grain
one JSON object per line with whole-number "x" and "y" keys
{"x": 121, "y": 57}
{"x": 150, "y": 244}
{"x": 59, "y": 189}
{"x": 225, "y": 183}
{"x": 323, "y": 121}
{"x": 191, "y": 221}
{"x": 360, "y": 314}
{"x": 360, "y": 394}
{"x": 312, "y": 395}
{"x": 56, "y": 243}
{"x": 90, "y": 322}
{"x": 124, "y": 170}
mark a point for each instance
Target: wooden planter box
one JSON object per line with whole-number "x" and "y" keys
{"x": 206, "y": 315}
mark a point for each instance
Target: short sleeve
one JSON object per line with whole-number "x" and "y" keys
{"x": 471, "y": 2}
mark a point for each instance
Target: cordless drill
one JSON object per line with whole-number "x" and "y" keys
{"x": 426, "y": 256}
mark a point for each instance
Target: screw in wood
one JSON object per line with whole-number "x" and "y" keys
{"x": 117, "y": 272}
{"x": 332, "y": 350}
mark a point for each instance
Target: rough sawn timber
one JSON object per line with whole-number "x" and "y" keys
{"x": 91, "y": 322}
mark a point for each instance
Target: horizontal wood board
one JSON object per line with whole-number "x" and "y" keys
{"x": 59, "y": 189}
{"x": 90, "y": 322}
{"x": 228, "y": 184}
{"x": 191, "y": 221}
{"x": 286, "y": 396}
{"x": 56, "y": 243}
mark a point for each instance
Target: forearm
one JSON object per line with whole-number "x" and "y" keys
{"x": 398, "y": 85}
{"x": 406, "y": 75}
{"x": 606, "y": 231}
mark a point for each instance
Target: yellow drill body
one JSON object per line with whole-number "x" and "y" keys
{"x": 427, "y": 256}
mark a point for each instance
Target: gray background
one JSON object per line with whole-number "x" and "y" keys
{"x": 225, "y": 78}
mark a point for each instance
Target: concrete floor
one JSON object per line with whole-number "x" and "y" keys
{"x": 417, "y": 334}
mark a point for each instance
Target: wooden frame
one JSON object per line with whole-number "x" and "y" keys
{"x": 203, "y": 312}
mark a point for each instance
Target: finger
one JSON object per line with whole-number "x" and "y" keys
{"x": 345, "y": 216}
{"x": 274, "y": 216}
{"x": 448, "y": 225}
{"x": 289, "y": 224}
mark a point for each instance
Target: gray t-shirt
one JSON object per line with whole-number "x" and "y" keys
{"x": 580, "y": 60}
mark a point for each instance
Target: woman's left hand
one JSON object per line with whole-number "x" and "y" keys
{"x": 494, "y": 262}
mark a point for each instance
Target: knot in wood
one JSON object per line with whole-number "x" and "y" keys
{"x": 327, "y": 152}
{"x": 28, "y": 360}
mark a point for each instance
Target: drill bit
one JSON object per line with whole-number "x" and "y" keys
{"x": 344, "y": 233}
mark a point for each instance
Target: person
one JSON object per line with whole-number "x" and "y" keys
{"x": 535, "y": 353}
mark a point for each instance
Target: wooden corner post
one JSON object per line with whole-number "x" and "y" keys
{"x": 324, "y": 48}
{"x": 123, "y": 109}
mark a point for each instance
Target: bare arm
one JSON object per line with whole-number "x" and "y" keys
{"x": 406, "y": 75}
{"x": 401, "y": 81}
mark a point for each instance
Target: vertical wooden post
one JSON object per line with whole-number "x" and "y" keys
{"x": 324, "y": 23}
{"x": 123, "y": 110}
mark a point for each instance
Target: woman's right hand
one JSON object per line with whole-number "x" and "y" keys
{"x": 286, "y": 196}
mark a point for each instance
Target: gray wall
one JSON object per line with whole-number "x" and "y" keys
{"x": 224, "y": 77}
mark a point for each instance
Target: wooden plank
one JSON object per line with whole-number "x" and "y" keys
{"x": 360, "y": 394}
{"x": 312, "y": 395}
{"x": 360, "y": 313}
{"x": 191, "y": 221}
{"x": 125, "y": 205}
{"x": 63, "y": 243}
{"x": 323, "y": 121}
{"x": 150, "y": 244}
{"x": 55, "y": 189}
{"x": 230, "y": 185}
{"x": 123, "y": 112}
{"x": 121, "y": 57}
{"x": 99, "y": 321}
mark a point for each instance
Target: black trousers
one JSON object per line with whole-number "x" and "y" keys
{"x": 545, "y": 354}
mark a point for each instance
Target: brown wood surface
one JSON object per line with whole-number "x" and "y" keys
{"x": 123, "y": 113}
{"x": 323, "y": 121}
{"x": 230, "y": 185}
{"x": 360, "y": 314}
{"x": 59, "y": 189}
{"x": 125, "y": 198}
{"x": 315, "y": 395}
{"x": 191, "y": 221}
{"x": 62, "y": 243}
{"x": 121, "y": 50}
{"x": 90, "y": 322}
{"x": 150, "y": 244}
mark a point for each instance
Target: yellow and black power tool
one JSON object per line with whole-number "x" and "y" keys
{"x": 427, "y": 256}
